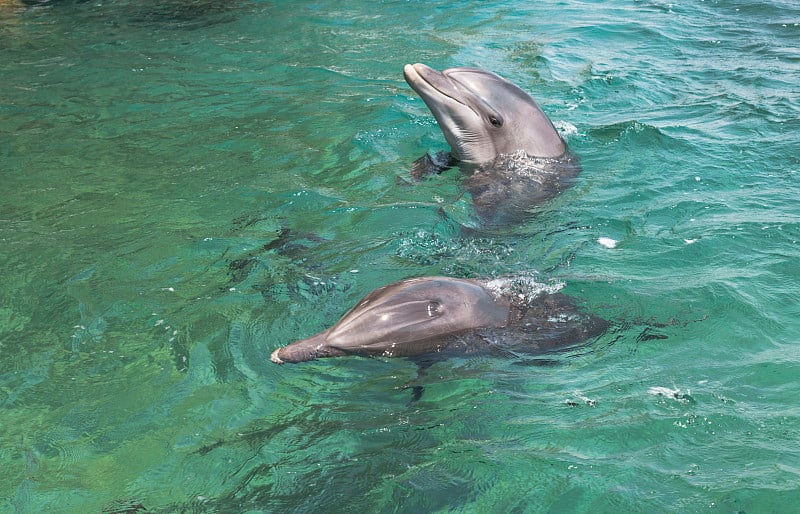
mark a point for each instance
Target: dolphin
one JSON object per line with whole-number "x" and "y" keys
{"x": 483, "y": 115}
{"x": 445, "y": 316}
{"x": 513, "y": 155}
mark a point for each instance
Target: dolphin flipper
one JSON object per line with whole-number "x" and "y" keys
{"x": 428, "y": 165}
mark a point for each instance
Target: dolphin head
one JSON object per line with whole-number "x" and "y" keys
{"x": 406, "y": 318}
{"x": 483, "y": 115}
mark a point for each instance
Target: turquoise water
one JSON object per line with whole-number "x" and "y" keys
{"x": 189, "y": 185}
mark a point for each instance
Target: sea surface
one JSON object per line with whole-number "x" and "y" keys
{"x": 188, "y": 185}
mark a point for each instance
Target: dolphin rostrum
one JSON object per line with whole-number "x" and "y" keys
{"x": 448, "y": 316}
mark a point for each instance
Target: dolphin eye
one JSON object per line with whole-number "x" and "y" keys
{"x": 495, "y": 121}
{"x": 434, "y": 309}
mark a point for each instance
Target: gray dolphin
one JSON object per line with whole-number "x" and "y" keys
{"x": 483, "y": 115}
{"x": 440, "y": 315}
{"x": 515, "y": 157}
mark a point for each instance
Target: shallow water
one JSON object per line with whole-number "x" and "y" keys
{"x": 190, "y": 185}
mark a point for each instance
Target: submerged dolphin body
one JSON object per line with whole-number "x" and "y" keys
{"x": 440, "y": 315}
{"x": 513, "y": 155}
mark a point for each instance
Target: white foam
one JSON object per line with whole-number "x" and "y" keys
{"x": 521, "y": 288}
{"x": 521, "y": 164}
{"x": 675, "y": 393}
{"x": 588, "y": 401}
{"x": 607, "y": 242}
{"x": 663, "y": 391}
{"x": 566, "y": 129}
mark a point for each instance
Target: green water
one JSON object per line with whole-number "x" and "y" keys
{"x": 187, "y": 186}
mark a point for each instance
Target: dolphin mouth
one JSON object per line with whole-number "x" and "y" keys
{"x": 425, "y": 81}
{"x": 275, "y": 357}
